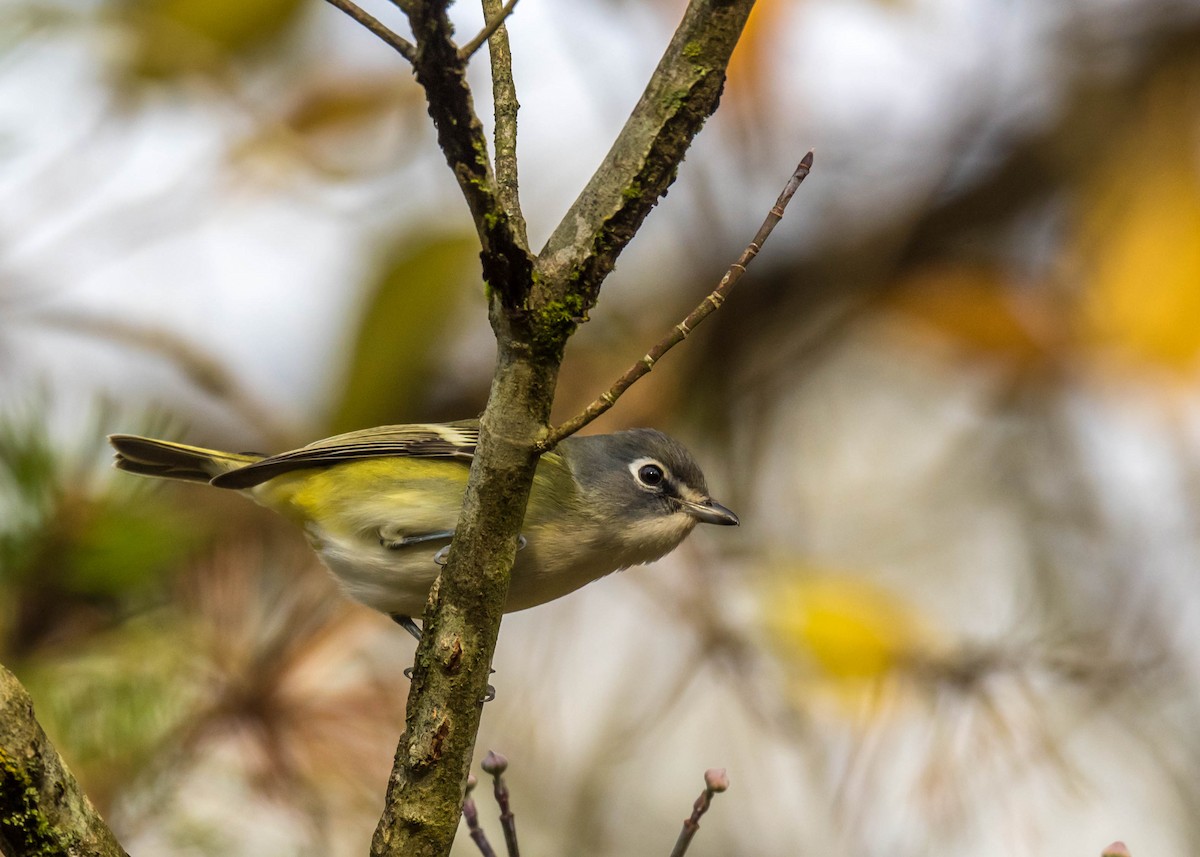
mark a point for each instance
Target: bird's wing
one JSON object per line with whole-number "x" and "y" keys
{"x": 444, "y": 440}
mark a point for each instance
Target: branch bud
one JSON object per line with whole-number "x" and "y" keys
{"x": 493, "y": 763}
{"x": 716, "y": 780}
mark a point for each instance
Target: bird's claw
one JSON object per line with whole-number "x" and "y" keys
{"x": 488, "y": 696}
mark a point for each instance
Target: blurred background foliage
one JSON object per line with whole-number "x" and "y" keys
{"x": 955, "y": 404}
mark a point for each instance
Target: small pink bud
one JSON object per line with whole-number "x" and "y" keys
{"x": 471, "y": 782}
{"x": 716, "y": 780}
{"x": 1117, "y": 849}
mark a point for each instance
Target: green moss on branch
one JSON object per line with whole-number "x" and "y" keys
{"x": 43, "y": 811}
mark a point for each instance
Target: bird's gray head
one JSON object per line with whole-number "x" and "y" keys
{"x": 643, "y": 482}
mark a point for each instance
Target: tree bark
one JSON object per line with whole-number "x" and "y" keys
{"x": 43, "y": 811}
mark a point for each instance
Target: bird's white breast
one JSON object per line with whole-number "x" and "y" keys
{"x": 553, "y": 563}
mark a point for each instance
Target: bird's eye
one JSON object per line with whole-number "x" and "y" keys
{"x": 650, "y": 475}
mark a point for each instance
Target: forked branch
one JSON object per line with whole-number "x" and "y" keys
{"x": 644, "y": 159}
{"x": 504, "y": 96}
{"x": 442, "y": 72}
{"x": 533, "y": 312}
{"x": 493, "y": 24}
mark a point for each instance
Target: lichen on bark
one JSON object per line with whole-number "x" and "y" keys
{"x": 43, "y": 810}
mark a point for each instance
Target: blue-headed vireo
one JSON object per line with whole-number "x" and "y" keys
{"x": 379, "y": 504}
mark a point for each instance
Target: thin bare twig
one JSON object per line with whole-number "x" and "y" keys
{"x": 681, "y": 330}
{"x": 201, "y": 369}
{"x": 467, "y": 50}
{"x": 504, "y": 98}
{"x": 402, "y": 45}
{"x": 471, "y": 814}
{"x": 506, "y": 260}
{"x": 495, "y": 764}
{"x": 715, "y": 782}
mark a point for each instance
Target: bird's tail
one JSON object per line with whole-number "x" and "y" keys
{"x": 168, "y": 460}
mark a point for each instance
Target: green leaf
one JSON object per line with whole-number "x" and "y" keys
{"x": 123, "y": 548}
{"x": 110, "y": 708}
{"x": 411, "y": 304}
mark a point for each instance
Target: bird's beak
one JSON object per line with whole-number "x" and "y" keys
{"x": 709, "y": 511}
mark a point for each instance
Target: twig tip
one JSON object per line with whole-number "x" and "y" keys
{"x": 493, "y": 763}
{"x": 716, "y": 780}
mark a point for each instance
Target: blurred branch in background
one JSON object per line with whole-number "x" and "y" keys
{"x": 201, "y": 369}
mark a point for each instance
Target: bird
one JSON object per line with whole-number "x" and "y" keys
{"x": 380, "y": 505}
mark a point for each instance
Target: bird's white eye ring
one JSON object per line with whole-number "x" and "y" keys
{"x": 649, "y": 473}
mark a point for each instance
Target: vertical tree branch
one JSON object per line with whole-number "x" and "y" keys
{"x": 42, "y": 808}
{"x": 504, "y": 95}
{"x": 442, "y": 72}
{"x": 426, "y": 788}
{"x": 494, "y": 22}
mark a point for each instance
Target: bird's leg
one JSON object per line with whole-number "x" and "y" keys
{"x": 394, "y": 541}
{"x": 407, "y": 623}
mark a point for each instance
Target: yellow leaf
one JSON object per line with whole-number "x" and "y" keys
{"x": 1139, "y": 245}
{"x": 410, "y": 305}
{"x": 750, "y": 62}
{"x": 840, "y": 628}
{"x": 976, "y": 307}
{"x": 339, "y": 127}
{"x": 351, "y": 101}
